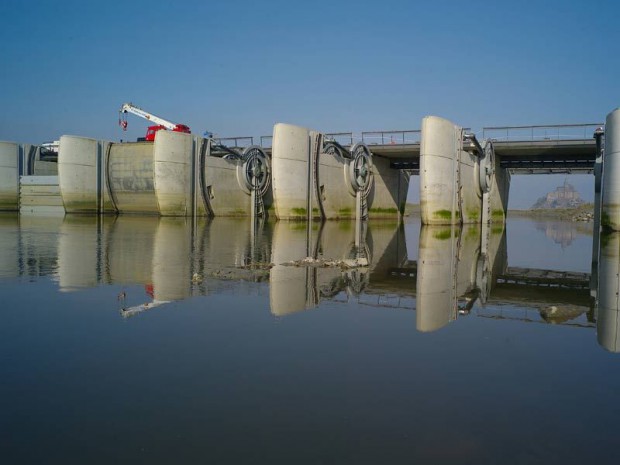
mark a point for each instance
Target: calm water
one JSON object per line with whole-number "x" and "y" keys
{"x": 145, "y": 340}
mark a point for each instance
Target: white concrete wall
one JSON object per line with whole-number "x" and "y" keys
{"x": 388, "y": 196}
{"x": 448, "y": 175}
{"x": 9, "y": 176}
{"x": 173, "y": 165}
{"x": 337, "y": 200}
{"x": 610, "y": 214}
{"x": 131, "y": 177}
{"x": 223, "y": 192}
{"x": 81, "y": 175}
{"x": 498, "y": 195}
{"x": 290, "y": 164}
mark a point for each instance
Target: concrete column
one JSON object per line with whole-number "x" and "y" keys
{"x": 448, "y": 193}
{"x": 174, "y": 157}
{"x": 608, "y": 320}
{"x": 82, "y": 175}
{"x": 9, "y": 176}
{"x": 610, "y": 212}
{"x": 290, "y": 166}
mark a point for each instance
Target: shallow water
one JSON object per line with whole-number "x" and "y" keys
{"x": 149, "y": 340}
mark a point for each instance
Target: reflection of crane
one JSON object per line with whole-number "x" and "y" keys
{"x": 160, "y": 123}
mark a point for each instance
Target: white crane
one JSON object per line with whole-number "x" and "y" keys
{"x": 160, "y": 123}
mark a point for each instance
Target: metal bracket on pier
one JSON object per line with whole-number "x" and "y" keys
{"x": 359, "y": 174}
{"x": 254, "y": 177}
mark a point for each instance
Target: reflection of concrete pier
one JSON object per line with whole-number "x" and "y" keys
{"x": 608, "y": 323}
{"x": 459, "y": 270}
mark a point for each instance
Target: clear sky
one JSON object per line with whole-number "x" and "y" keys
{"x": 238, "y": 67}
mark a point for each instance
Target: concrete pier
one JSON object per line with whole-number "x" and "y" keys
{"x": 460, "y": 179}
{"x": 610, "y": 212}
{"x": 315, "y": 178}
{"x": 17, "y": 160}
{"x": 82, "y": 175}
{"x": 176, "y": 175}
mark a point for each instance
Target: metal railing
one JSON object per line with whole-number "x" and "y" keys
{"x": 265, "y": 141}
{"x": 343, "y": 138}
{"x": 412, "y": 136}
{"x": 244, "y": 141}
{"x": 534, "y": 133}
{"x": 391, "y": 137}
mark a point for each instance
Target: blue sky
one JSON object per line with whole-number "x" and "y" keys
{"x": 237, "y": 68}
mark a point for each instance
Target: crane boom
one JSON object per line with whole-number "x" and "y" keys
{"x": 160, "y": 123}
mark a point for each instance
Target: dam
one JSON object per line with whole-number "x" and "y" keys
{"x": 308, "y": 175}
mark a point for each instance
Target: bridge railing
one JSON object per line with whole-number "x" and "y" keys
{"x": 391, "y": 137}
{"x": 411, "y": 136}
{"x": 343, "y": 138}
{"x": 539, "y": 133}
{"x": 244, "y": 141}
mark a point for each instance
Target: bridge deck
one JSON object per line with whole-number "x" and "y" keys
{"x": 522, "y": 149}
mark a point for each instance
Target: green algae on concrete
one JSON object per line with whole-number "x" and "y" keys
{"x": 445, "y": 214}
{"x": 473, "y": 214}
{"x": 443, "y": 235}
{"x": 384, "y": 210}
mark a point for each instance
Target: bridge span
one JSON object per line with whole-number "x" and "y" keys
{"x": 539, "y": 149}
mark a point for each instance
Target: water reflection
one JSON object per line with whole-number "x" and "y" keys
{"x": 458, "y": 272}
{"x": 564, "y": 232}
{"x": 608, "y": 322}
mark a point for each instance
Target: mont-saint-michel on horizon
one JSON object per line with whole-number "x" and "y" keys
{"x": 564, "y": 196}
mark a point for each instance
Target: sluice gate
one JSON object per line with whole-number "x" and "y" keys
{"x": 315, "y": 178}
{"x": 309, "y": 175}
{"x": 176, "y": 175}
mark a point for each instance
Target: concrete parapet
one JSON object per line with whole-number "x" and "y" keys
{"x": 610, "y": 214}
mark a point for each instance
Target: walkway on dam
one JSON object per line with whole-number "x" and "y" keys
{"x": 562, "y": 148}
